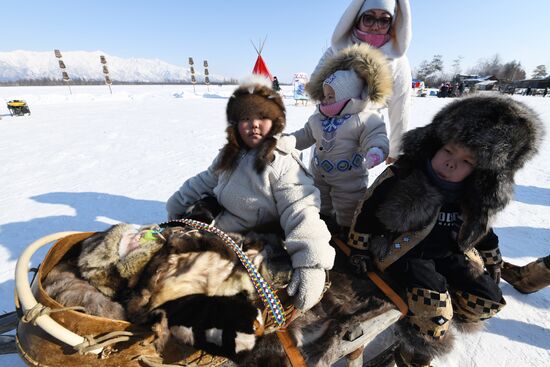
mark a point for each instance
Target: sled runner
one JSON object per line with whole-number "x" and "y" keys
{"x": 49, "y": 334}
{"x": 18, "y": 107}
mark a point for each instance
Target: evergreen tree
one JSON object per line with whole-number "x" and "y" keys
{"x": 422, "y": 70}
{"x": 436, "y": 64}
{"x": 539, "y": 72}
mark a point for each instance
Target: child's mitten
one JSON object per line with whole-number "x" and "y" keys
{"x": 306, "y": 286}
{"x": 374, "y": 157}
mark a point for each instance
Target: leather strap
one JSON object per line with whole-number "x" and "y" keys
{"x": 379, "y": 282}
{"x": 292, "y": 352}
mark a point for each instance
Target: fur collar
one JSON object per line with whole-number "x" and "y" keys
{"x": 416, "y": 200}
{"x": 369, "y": 64}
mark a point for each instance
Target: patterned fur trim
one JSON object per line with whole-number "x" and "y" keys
{"x": 471, "y": 308}
{"x": 430, "y": 312}
{"x": 491, "y": 257}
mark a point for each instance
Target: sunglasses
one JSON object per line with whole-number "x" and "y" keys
{"x": 369, "y": 21}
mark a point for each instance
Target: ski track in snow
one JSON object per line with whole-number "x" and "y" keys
{"x": 88, "y": 160}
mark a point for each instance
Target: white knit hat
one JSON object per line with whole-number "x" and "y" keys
{"x": 387, "y": 5}
{"x": 346, "y": 84}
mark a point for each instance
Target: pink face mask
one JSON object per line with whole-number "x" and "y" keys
{"x": 375, "y": 40}
{"x": 333, "y": 109}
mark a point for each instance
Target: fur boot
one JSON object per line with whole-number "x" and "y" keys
{"x": 419, "y": 350}
{"x": 528, "y": 278}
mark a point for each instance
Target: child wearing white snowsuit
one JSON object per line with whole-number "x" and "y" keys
{"x": 259, "y": 179}
{"x": 349, "y": 137}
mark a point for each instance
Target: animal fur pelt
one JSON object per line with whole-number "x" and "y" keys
{"x": 105, "y": 265}
{"x": 197, "y": 271}
{"x": 193, "y": 262}
{"x": 220, "y": 325}
{"x": 64, "y": 284}
{"x": 318, "y": 333}
{"x": 194, "y": 291}
{"x": 114, "y": 259}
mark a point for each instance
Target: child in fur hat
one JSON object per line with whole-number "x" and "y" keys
{"x": 422, "y": 217}
{"x": 259, "y": 179}
{"x": 349, "y": 137}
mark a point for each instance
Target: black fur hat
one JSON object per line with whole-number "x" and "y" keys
{"x": 503, "y": 134}
{"x": 253, "y": 98}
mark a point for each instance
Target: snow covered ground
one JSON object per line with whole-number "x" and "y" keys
{"x": 84, "y": 161}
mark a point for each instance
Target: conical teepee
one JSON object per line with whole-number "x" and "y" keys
{"x": 260, "y": 67}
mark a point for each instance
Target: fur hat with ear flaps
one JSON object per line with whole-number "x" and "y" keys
{"x": 368, "y": 63}
{"x": 502, "y": 133}
{"x": 253, "y": 98}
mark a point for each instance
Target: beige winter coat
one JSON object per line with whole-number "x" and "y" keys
{"x": 283, "y": 192}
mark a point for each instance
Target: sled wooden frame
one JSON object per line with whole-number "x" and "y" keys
{"x": 351, "y": 349}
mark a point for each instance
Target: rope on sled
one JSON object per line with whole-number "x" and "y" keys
{"x": 90, "y": 343}
{"x": 41, "y": 310}
{"x": 269, "y": 298}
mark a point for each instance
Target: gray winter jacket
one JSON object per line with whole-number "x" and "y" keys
{"x": 283, "y": 192}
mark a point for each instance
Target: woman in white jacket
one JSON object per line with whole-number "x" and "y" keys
{"x": 258, "y": 179}
{"x": 385, "y": 24}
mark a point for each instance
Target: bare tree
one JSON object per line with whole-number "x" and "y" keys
{"x": 512, "y": 71}
{"x": 489, "y": 66}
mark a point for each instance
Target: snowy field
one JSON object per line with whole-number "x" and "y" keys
{"x": 84, "y": 161}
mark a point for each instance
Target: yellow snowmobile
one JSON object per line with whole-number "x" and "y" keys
{"x": 18, "y": 107}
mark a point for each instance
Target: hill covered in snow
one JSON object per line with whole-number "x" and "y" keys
{"x": 84, "y": 65}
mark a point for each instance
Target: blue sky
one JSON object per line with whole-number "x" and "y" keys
{"x": 298, "y": 31}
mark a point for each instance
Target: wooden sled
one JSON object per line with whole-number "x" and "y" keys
{"x": 49, "y": 335}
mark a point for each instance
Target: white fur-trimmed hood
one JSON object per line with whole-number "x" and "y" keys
{"x": 401, "y": 29}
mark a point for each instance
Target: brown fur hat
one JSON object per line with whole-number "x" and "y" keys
{"x": 253, "y": 98}
{"x": 368, "y": 63}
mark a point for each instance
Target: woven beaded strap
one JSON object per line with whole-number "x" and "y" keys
{"x": 269, "y": 298}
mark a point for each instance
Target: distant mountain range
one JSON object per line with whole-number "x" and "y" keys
{"x": 86, "y": 66}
